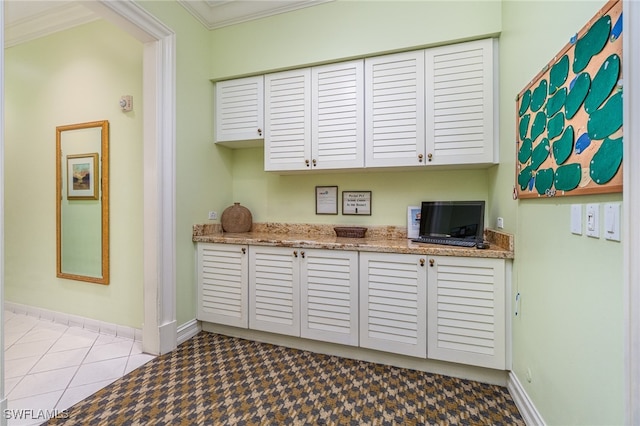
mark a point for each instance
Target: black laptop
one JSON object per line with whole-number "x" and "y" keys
{"x": 458, "y": 223}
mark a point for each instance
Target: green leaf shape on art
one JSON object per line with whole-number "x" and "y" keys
{"x": 603, "y": 83}
{"x": 523, "y": 126}
{"x": 555, "y": 125}
{"x": 525, "y": 151}
{"x": 591, "y": 43}
{"x": 606, "y": 120}
{"x": 540, "y": 154}
{"x": 538, "y": 126}
{"x": 524, "y": 102}
{"x": 558, "y": 74}
{"x": 524, "y": 177}
{"x": 562, "y": 147}
{"x": 556, "y": 102}
{"x": 538, "y": 96}
{"x": 576, "y": 95}
{"x": 568, "y": 177}
{"x": 606, "y": 161}
{"x": 544, "y": 180}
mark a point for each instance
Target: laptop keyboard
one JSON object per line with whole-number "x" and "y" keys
{"x": 445, "y": 241}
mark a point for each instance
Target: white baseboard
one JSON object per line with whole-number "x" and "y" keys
{"x": 188, "y": 330}
{"x": 70, "y": 320}
{"x": 526, "y": 407}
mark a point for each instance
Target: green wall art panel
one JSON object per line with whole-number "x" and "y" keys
{"x": 569, "y": 117}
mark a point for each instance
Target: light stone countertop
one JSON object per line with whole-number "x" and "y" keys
{"x": 383, "y": 239}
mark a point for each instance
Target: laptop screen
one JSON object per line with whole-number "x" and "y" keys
{"x": 452, "y": 219}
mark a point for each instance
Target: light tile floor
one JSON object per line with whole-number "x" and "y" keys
{"x": 50, "y": 366}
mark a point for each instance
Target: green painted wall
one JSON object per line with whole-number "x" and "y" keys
{"x": 203, "y": 170}
{"x": 570, "y": 331}
{"x": 72, "y": 77}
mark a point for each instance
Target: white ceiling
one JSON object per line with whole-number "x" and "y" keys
{"x": 28, "y": 20}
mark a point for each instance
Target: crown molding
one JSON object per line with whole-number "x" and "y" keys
{"x": 47, "y": 21}
{"x": 217, "y": 14}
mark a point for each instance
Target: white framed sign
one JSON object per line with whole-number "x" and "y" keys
{"x": 326, "y": 200}
{"x": 413, "y": 221}
{"x": 356, "y": 202}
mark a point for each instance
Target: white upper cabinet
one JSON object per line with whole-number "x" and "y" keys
{"x": 394, "y": 93}
{"x": 240, "y": 109}
{"x": 337, "y": 116}
{"x": 287, "y": 144}
{"x": 460, "y": 103}
{"x": 314, "y": 118}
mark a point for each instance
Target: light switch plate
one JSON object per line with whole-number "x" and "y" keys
{"x": 612, "y": 221}
{"x": 576, "y": 219}
{"x": 592, "y": 220}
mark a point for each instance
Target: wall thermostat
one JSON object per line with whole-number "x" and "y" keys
{"x": 126, "y": 103}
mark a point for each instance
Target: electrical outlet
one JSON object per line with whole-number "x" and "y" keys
{"x": 500, "y": 223}
{"x": 213, "y": 215}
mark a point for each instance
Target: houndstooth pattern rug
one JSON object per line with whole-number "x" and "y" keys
{"x": 219, "y": 380}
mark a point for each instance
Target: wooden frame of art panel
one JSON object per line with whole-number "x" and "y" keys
{"x": 569, "y": 117}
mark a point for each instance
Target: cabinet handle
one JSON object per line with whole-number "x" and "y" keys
{"x": 420, "y": 157}
{"x": 421, "y": 261}
{"x": 295, "y": 253}
{"x": 259, "y": 132}
{"x": 314, "y": 162}
{"x": 306, "y": 162}
{"x": 430, "y": 156}
{"x": 244, "y": 250}
{"x": 302, "y": 254}
{"x": 431, "y": 262}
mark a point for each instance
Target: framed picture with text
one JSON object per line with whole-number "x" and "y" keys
{"x": 356, "y": 203}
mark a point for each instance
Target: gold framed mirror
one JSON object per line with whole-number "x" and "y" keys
{"x": 82, "y": 202}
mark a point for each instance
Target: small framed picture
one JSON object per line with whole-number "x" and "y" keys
{"x": 356, "y": 202}
{"x": 326, "y": 200}
{"x": 413, "y": 221}
{"x": 82, "y": 176}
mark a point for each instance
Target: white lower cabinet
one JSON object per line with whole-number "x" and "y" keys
{"x": 438, "y": 307}
{"x": 274, "y": 290}
{"x": 329, "y": 296}
{"x": 466, "y": 311}
{"x": 393, "y": 308}
{"x": 222, "y": 284}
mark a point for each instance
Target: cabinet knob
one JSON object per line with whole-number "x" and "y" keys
{"x": 430, "y": 156}
{"x": 314, "y": 162}
{"x": 295, "y": 253}
{"x": 420, "y": 157}
{"x": 259, "y": 132}
{"x": 302, "y": 254}
{"x": 421, "y": 261}
{"x": 431, "y": 262}
{"x": 306, "y": 162}
{"x": 244, "y": 250}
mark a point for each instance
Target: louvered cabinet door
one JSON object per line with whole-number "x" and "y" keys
{"x": 467, "y": 311}
{"x": 274, "y": 290}
{"x": 222, "y": 284}
{"x": 461, "y": 122}
{"x": 239, "y": 109}
{"x": 329, "y": 296}
{"x": 287, "y": 143}
{"x": 394, "y": 110}
{"x": 337, "y": 115}
{"x": 393, "y": 303}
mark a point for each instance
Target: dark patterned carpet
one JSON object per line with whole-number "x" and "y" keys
{"x": 217, "y": 380}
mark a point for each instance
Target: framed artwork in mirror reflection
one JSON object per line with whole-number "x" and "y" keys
{"x": 82, "y": 176}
